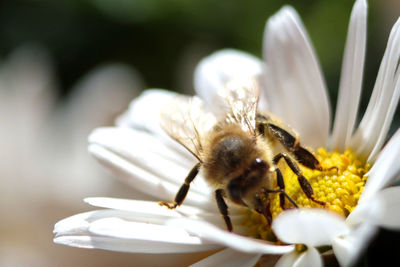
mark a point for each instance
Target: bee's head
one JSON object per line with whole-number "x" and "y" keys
{"x": 248, "y": 181}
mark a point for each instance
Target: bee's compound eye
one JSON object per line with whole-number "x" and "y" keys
{"x": 259, "y": 164}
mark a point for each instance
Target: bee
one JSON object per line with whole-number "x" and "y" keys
{"x": 238, "y": 151}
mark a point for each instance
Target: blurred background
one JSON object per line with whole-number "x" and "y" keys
{"x": 69, "y": 66}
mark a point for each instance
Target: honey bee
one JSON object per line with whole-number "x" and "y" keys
{"x": 238, "y": 152}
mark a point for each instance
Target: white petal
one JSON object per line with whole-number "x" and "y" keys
{"x": 129, "y": 210}
{"x": 313, "y": 227}
{"x": 309, "y": 258}
{"x": 216, "y": 70}
{"x": 116, "y": 227}
{"x": 148, "y": 210}
{"x": 129, "y": 245}
{"x": 145, "y": 181}
{"x": 365, "y": 211}
{"x": 127, "y": 232}
{"x": 294, "y": 84}
{"x": 375, "y": 124}
{"x": 100, "y": 242}
{"x": 288, "y": 260}
{"x": 80, "y": 223}
{"x": 386, "y": 169}
{"x": 349, "y": 247}
{"x": 147, "y": 152}
{"x": 77, "y": 224}
{"x": 229, "y": 258}
{"x": 140, "y": 206}
{"x": 389, "y": 213}
{"x": 144, "y": 115}
{"x": 245, "y": 244}
{"x": 351, "y": 77}
{"x": 144, "y": 111}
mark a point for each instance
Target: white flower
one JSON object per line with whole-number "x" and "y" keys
{"x": 140, "y": 153}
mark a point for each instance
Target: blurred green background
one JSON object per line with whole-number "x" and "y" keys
{"x": 164, "y": 39}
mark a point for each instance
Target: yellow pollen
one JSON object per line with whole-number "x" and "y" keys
{"x": 339, "y": 186}
{"x": 300, "y": 248}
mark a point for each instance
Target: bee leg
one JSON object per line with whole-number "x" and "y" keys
{"x": 304, "y": 184}
{"x": 282, "y": 193}
{"x": 281, "y": 184}
{"x": 223, "y": 208}
{"x": 292, "y": 144}
{"x": 265, "y": 211}
{"x": 180, "y": 196}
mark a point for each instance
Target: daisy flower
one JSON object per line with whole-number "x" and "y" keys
{"x": 356, "y": 186}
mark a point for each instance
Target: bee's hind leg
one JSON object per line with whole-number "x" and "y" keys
{"x": 223, "y": 208}
{"x": 181, "y": 195}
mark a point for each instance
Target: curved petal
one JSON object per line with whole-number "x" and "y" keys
{"x": 309, "y": 258}
{"x": 351, "y": 77}
{"x": 244, "y": 244}
{"x": 116, "y": 227}
{"x": 294, "y": 84}
{"x": 150, "y": 209}
{"x": 216, "y": 70}
{"x": 79, "y": 224}
{"x": 313, "y": 227}
{"x": 146, "y": 181}
{"x": 129, "y": 245}
{"x": 287, "y": 260}
{"x": 148, "y": 153}
{"x": 386, "y": 169}
{"x": 119, "y": 231}
{"x": 141, "y": 207}
{"x": 365, "y": 211}
{"x": 98, "y": 97}
{"x": 144, "y": 111}
{"x": 388, "y": 216}
{"x": 227, "y": 258}
{"x": 349, "y": 247}
{"x": 375, "y": 124}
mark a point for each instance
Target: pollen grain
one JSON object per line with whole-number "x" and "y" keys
{"x": 340, "y": 186}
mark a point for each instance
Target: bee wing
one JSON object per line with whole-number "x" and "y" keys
{"x": 186, "y": 120}
{"x": 242, "y": 97}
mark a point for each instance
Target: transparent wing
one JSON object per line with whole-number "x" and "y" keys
{"x": 187, "y": 121}
{"x": 242, "y": 97}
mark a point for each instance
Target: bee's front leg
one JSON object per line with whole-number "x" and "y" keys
{"x": 281, "y": 190}
{"x": 263, "y": 208}
{"x": 223, "y": 208}
{"x": 181, "y": 195}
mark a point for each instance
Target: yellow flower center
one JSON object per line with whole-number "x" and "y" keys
{"x": 340, "y": 186}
